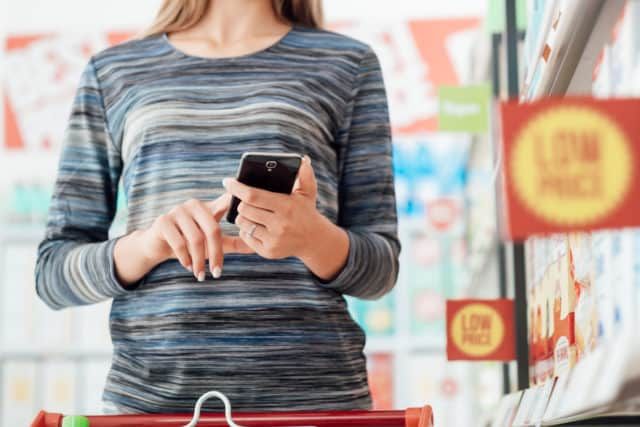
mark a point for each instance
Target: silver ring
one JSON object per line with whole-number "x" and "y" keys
{"x": 253, "y": 228}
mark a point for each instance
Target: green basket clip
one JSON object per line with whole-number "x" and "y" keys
{"x": 75, "y": 421}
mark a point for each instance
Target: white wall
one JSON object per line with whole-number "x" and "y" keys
{"x": 29, "y": 16}
{"x": 82, "y": 15}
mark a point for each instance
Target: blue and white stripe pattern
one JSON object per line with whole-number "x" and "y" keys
{"x": 269, "y": 333}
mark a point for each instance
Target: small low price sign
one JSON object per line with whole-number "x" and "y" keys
{"x": 480, "y": 330}
{"x": 571, "y": 164}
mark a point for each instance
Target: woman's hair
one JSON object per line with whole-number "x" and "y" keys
{"x": 176, "y": 15}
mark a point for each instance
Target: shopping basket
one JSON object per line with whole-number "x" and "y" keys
{"x": 412, "y": 417}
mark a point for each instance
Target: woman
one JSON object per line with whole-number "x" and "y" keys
{"x": 171, "y": 113}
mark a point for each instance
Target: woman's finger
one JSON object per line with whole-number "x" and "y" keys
{"x": 177, "y": 243}
{"x": 306, "y": 181}
{"x": 255, "y": 196}
{"x": 252, "y": 242}
{"x": 256, "y": 215}
{"x": 251, "y": 229}
{"x": 213, "y": 236}
{"x": 195, "y": 242}
{"x": 219, "y": 206}
{"x": 250, "y": 236}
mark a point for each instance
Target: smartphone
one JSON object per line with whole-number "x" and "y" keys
{"x": 274, "y": 172}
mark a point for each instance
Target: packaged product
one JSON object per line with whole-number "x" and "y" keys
{"x": 603, "y": 283}
{"x": 563, "y": 304}
{"x": 586, "y": 327}
{"x": 623, "y": 250}
{"x": 636, "y": 275}
{"x": 546, "y": 295}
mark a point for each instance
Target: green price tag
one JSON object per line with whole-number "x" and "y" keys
{"x": 464, "y": 108}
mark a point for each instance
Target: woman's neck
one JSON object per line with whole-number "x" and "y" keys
{"x": 229, "y": 21}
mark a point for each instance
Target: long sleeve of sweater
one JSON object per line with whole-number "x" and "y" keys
{"x": 366, "y": 189}
{"x": 75, "y": 259}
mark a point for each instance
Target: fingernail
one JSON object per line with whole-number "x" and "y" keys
{"x": 307, "y": 158}
{"x": 217, "y": 272}
{"x": 189, "y": 268}
{"x": 201, "y": 276}
{"x": 225, "y": 182}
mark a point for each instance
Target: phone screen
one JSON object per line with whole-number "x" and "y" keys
{"x": 274, "y": 172}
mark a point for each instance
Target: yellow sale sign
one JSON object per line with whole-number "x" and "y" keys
{"x": 571, "y": 164}
{"x": 480, "y": 330}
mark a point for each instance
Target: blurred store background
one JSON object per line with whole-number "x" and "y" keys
{"x": 58, "y": 360}
{"x": 444, "y": 186}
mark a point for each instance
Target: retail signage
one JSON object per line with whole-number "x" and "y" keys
{"x": 464, "y": 108}
{"x": 480, "y": 330}
{"x": 571, "y": 164}
{"x": 417, "y": 56}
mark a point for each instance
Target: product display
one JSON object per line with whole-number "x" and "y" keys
{"x": 588, "y": 267}
{"x": 581, "y": 286}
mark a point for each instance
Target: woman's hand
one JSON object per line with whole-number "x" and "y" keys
{"x": 191, "y": 233}
{"x": 278, "y": 225}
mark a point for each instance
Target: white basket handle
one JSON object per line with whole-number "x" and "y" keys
{"x": 204, "y": 398}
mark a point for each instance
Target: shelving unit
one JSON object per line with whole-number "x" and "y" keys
{"x": 565, "y": 54}
{"x": 563, "y": 48}
{"x": 61, "y": 365}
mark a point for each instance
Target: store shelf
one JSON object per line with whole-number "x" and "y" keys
{"x": 564, "y": 45}
{"x": 604, "y": 386}
{"x": 569, "y": 46}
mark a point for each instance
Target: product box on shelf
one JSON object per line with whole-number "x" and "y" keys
{"x": 586, "y": 326}
{"x": 617, "y": 349}
{"x": 534, "y": 334}
{"x": 535, "y": 327}
{"x": 603, "y": 284}
{"x": 636, "y": 273}
{"x": 563, "y": 299}
{"x": 541, "y": 344}
{"x": 545, "y": 346}
{"x": 531, "y": 318}
{"x": 532, "y": 308}
{"x": 623, "y": 250}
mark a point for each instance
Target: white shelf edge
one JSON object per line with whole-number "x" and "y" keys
{"x": 616, "y": 376}
{"x": 583, "y": 30}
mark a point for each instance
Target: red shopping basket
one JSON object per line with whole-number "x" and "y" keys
{"x": 412, "y": 417}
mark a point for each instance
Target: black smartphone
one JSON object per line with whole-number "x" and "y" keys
{"x": 274, "y": 172}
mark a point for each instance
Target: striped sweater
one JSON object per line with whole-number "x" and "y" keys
{"x": 268, "y": 333}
